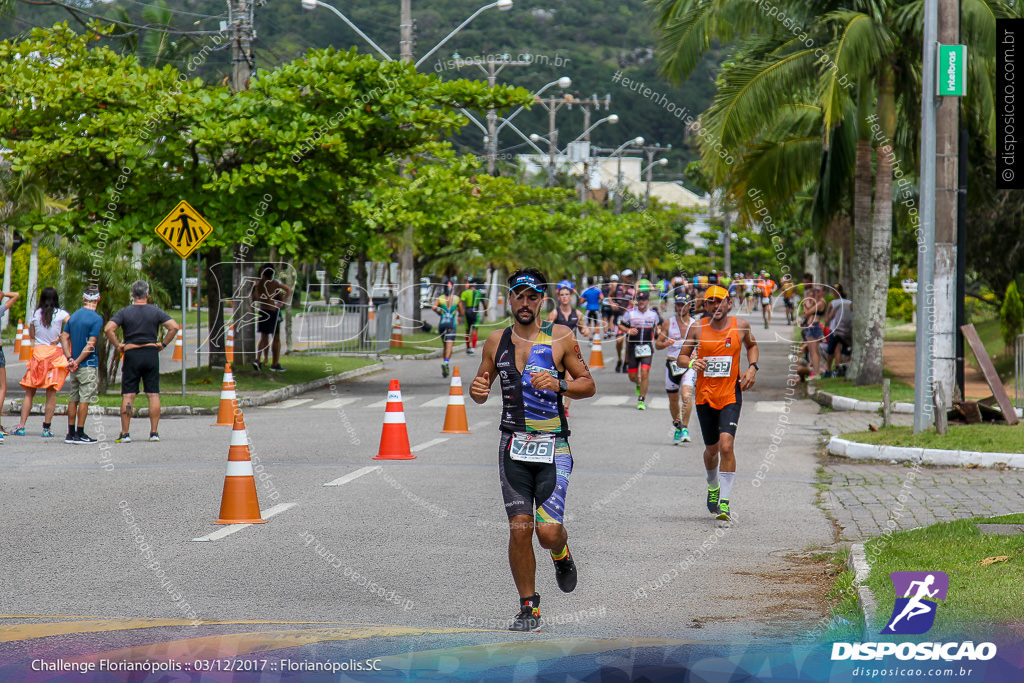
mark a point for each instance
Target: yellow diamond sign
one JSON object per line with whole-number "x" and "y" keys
{"x": 184, "y": 229}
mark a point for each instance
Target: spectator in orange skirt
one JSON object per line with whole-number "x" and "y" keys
{"x": 48, "y": 367}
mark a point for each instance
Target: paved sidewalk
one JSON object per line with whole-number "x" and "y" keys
{"x": 862, "y": 496}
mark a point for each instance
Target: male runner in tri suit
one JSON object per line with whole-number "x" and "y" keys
{"x": 533, "y": 358}
{"x": 448, "y": 306}
{"x": 622, "y": 300}
{"x": 765, "y": 289}
{"x": 640, "y": 325}
{"x": 472, "y": 296}
{"x": 565, "y": 314}
{"x": 714, "y": 350}
{"x": 671, "y": 334}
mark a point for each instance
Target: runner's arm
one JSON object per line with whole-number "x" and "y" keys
{"x": 661, "y": 340}
{"x": 749, "y": 375}
{"x": 485, "y": 374}
{"x": 11, "y": 298}
{"x": 689, "y": 350}
{"x": 582, "y": 384}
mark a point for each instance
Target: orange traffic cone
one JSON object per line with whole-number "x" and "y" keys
{"x": 370, "y": 313}
{"x": 455, "y": 416}
{"x": 229, "y": 344}
{"x": 394, "y": 438}
{"x": 177, "y": 349}
{"x": 596, "y": 356}
{"x": 396, "y": 333}
{"x": 228, "y": 400}
{"x": 17, "y": 337}
{"x": 238, "y": 504}
{"x": 26, "y": 345}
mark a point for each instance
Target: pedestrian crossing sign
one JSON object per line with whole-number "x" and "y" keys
{"x": 184, "y": 229}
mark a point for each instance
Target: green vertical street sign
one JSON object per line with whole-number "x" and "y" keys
{"x": 950, "y": 68}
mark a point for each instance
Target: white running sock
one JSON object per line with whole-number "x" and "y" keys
{"x": 712, "y": 478}
{"x": 727, "y": 479}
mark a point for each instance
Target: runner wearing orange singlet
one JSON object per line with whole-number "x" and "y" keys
{"x": 713, "y": 348}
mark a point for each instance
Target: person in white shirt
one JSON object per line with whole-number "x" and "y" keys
{"x": 48, "y": 367}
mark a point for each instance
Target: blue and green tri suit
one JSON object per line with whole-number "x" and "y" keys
{"x": 526, "y": 409}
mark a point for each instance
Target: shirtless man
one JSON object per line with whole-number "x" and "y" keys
{"x": 269, "y": 295}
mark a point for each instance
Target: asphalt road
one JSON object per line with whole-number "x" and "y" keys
{"x": 409, "y": 557}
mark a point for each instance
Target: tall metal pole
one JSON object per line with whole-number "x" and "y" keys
{"x": 241, "y": 72}
{"x": 947, "y": 138}
{"x": 552, "y": 144}
{"x": 492, "y": 125}
{"x": 584, "y": 181}
{"x": 923, "y": 410}
{"x": 618, "y": 185}
{"x": 184, "y": 323}
{"x": 406, "y": 294}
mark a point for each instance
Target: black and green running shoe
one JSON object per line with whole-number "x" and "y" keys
{"x": 713, "y": 494}
{"x": 528, "y": 619}
{"x": 723, "y": 511}
{"x": 565, "y": 573}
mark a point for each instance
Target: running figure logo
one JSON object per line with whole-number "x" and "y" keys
{"x": 914, "y": 612}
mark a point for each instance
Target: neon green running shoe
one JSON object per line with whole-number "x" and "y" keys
{"x": 723, "y": 511}
{"x": 640, "y": 405}
{"x": 713, "y": 494}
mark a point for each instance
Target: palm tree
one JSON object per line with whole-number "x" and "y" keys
{"x": 873, "y": 44}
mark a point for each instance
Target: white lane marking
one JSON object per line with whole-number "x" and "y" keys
{"x": 438, "y": 402}
{"x": 428, "y": 444}
{"x": 353, "y": 475}
{"x": 611, "y": 401}
{"x": 334, "y": 403}
{"x": 232, "y": 528}
{"x": 658, "y": 403}
{"x": 480, "y": 425}
{"x": 769, "y": 406}
{"x": 289, "y": 403}
{"x": 384, "y": 402}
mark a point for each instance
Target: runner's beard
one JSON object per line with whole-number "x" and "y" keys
{"x": 525, "y": 321}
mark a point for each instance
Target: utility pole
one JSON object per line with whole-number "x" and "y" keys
{"x": 585, "y": 137}
{"x": 552, "y": 105}
{"x": 923, "y": 415}
{"x": 240, "y": 21}
{"x": 492, "y": 67}
{"x": 947, "y": 139}
{"x": 408, "y": 298}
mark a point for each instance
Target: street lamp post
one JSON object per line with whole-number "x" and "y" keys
{"x": 650, "y": 166}
{"x": 408, "y": 297}
{"x": 585, "y": 135}
{"x": 637, "y": 142}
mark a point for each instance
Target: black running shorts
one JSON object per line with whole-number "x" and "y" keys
{"x": 141, "y": 364}
{"x": 715, "y": 422}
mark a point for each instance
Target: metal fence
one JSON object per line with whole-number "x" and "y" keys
{"x": 1018, "y": 371}
{"x": 338, "y": 327}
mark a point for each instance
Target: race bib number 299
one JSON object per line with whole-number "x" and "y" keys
{"x": 531, "y": 447}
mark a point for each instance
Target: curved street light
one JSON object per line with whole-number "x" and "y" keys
{"x": 312, "y": 4}
{"x": 502, "y": 5}
{"x": 564, "y": 83}
{"x": 635, "y": 142}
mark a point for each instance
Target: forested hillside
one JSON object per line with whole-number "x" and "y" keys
{"x": 587, "y": 40}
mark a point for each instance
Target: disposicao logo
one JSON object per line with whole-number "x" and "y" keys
{"x": 916, "y": 593}
{"x": 914, "y": 614}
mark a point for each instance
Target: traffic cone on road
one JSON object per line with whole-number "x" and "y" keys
{"x": 26, "y": 345}
{"x": 396, "y": 333}
{"x": 455, "y": 416}
{"x": 17, "y": 337}
{"x": 394, "y": 437}
{"x": 370, "y": 314}
{"x": 177, "y": 349}
{"x": 228, "y": 400}
{"x": 239, "y": 504}
{"x": 596, "y": 356}
{"x": 229, "y": 344}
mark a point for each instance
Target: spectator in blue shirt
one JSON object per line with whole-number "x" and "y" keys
{"x": 82, "y": 331}
{"x": 592, "y": 295}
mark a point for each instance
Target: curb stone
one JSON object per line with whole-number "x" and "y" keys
{"x": 858, "y": 564}
{"x": 14, "y": 405}
{"x": 843, "y": 403}
{"x": 926, "y": 456}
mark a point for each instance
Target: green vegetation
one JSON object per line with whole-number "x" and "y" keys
{"x": 899, "y": 305}
{"x": 899, "y": 391}
{"x": 992, "y": 438}
{"x": 981, "y": 596}
{"x": 299, "y": 368}
{"x": 847, "y": 622}
{"x": 1011, "y": 316}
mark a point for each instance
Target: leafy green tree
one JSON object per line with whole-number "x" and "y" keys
{"x": 1011, "y": 316}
